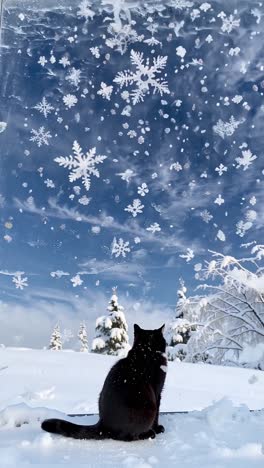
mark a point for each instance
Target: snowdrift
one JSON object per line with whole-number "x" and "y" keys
{"x": 218, "y": 431}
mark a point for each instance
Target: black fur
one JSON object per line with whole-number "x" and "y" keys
{"x": 130, "y": 398}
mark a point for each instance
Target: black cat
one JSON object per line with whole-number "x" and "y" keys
{"x": 130, "y": 398}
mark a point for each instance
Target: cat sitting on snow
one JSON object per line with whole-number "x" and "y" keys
{"x": 130, "y": 398}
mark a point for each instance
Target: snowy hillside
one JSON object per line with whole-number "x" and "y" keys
{"x": 36, "y": 384}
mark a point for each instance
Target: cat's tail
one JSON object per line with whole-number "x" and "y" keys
{"x": 76, "y": 431}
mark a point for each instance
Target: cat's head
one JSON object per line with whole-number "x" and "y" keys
{"x": 149, "y": 339}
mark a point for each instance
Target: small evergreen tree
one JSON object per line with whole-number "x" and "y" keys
{"x": 55, "y": 340}
{"x": 111, "y": 330}
{"x": 82, "y": 335}
{"x": 180, "y": 329}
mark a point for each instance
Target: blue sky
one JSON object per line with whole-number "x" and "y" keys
{"x": 173, "y": 101}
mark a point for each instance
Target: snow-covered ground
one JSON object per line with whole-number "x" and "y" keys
{"x": 219, "y": 432}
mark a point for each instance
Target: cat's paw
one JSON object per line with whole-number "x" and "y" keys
{"x": 147, "y": 435}
{"x": 159, "y": 428}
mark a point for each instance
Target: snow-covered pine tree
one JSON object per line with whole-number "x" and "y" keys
{"x": 82, "y": 335}
{"x": 180, "y": 329}
{"x": 111, "y": 330}
{"x": 55, "y": 340}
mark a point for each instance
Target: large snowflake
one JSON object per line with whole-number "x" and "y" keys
{"x": 81, "y": 166}
{"x": 246, "y": 160}
{"x": 40, "y": 137}
{"x": 135, "y": 208}
{"x": 227, "y": 128}
{"x": 229, "y": 22}
{"x": 120, "y": 247}
{"x": 19, "y": 281}
{"x": 144, "y": 78}
{"x": 74, "y": 76}
{"x": 44, "y": 107}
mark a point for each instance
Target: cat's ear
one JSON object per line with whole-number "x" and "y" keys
{"x": 162, "y": 328}
{"x": 136, "y": 329}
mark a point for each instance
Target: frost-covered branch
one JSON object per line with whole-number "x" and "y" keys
{"x": 230, "y": 318}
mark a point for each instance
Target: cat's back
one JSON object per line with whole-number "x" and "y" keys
{"x": 116, "y": 376}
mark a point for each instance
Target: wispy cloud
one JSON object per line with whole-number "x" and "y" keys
{"x": 109, "y": 269}
{"x": 132, "y": 227}
{"x": 44, "y": 308}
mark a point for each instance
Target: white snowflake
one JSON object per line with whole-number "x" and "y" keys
{"x": 64, "y": 61}
{"x": 143, "y": 189}
{"x": 242, "y": 227}
{"x": 257, "y": 13}
{"x": 253, "y": 200}
{"x": 77, "y": 189}
{"x": 3, "y": 126}
{"x": 125, "y": 95}
{"x": 176, "y": 167}
{"x": 180, "y": 51}
{"x": 221, "y": 235}
{"x": 152, "y": 41}
{"x": 132, "y": 134}
{"x": 209, "y": 38}
{"x": 251, "y": 215}
{"x": 229, "y": 22}
{"x": 205, "y": 6}
{"x": 135, "y": 208}
{"x": 81, "y": 165}
{"x": 180, "y": 4}
{"x": 40, "y": 136}
{"x": 70, "y": 100}
{"x": 219, "y": 200}
{"x": 188, "y": 256}
{"x": 105, "y": 91}
{"x": 126, "y": 175}
{"x": 198, "y": 267}
{"x": 85, "y": 10}
{"x": 74, "y": 76}
{"x": 95, "y": 51}
{"x": 127, "y": 112}
{"x": 42, "y": 60}
{"x": 44, "y": 107}
{"x": 122, "y": 37}
{"x": 144, "y": 78}
{"x": 19, "y": 282}
{"x": 234, "y": 51}
{"x": 246, "y": 160}
{"x": 76, "y": 281}
{"x": 120, "y": 247}
{"x": 195, "y": 13}
{"x": 49, "y": 183}
{"x": 155, "y": 227}
{"x": 221, "y": 169}
{"x": 206, "y": 216}
{"x": 226, "y": 128}
{"x": 84, "y": 200}
{"x": 237, "y": 99}
{"x": 58, "y": 274}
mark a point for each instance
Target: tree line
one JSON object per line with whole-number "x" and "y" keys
{"x": 220, "y": 326}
